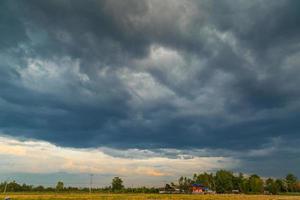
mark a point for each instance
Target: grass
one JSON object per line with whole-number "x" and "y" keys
{"x": 80, "y": 196}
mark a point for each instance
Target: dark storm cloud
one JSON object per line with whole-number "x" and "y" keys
{"x": 150, "y": 74}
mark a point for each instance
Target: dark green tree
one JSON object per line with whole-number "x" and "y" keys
{"x": 224, "y": 181}
{"x": 59, "y": 186}
{"x": 168, "y": 187}
{"x": 256, "y": 184}
{"x": 281, "y": 185}
{"x": 272, "y": 186}
{"x": 238, "y": 182}
{"x": 291, "y": 181}
{"x": 39, "y": 188}
{"x": 245, "y": 187}
{"x": 117, "y": 184}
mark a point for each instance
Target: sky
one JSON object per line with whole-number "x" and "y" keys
{"x": 148, "y": 90}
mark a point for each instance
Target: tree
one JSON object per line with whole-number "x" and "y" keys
{"x": 13, "y": 186}
{"x": 245, "y": 188}
{"x": 281, "y": 185}
{"x": 59, "y": 186}
{"x": 205, "y": 179}
{"x": 39, "y": 188}
{"x": 272, "y": 186}
{"x": 291, "y": 181}
{"x": 224, "y": 181}
{"x": 117, "y": 184}
{"x": 269, "y": 183}
{"x": 256, "y": 184}
{"x": 298, "y": 187}
{"x": 184, "y": 184}
{"x": 168, "y": 187}
{"x": 238, "y": 182}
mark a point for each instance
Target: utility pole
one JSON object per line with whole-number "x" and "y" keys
{"x": 6, "y": 183}
{"x": 5, "y": 188}
{"x": 91, "y": 182}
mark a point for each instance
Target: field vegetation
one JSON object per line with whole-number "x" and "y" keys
{"x": 107, "y": 196}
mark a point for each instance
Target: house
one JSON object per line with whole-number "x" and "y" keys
{"x": 199, "y": 189}
{"x": 169, "y": 189}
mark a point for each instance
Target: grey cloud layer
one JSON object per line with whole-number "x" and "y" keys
{"x": 151, "y": 74}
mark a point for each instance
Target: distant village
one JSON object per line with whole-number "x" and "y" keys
{"x": 195, "y": 189}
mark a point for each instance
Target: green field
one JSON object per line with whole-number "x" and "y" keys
{"x": 74, "y": 196}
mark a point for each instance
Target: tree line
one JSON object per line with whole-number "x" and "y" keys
{"x": 115, "y": 187}
{"x": 222, "y": 181}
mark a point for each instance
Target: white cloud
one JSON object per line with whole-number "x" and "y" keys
{"x": 42, "y": 157}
